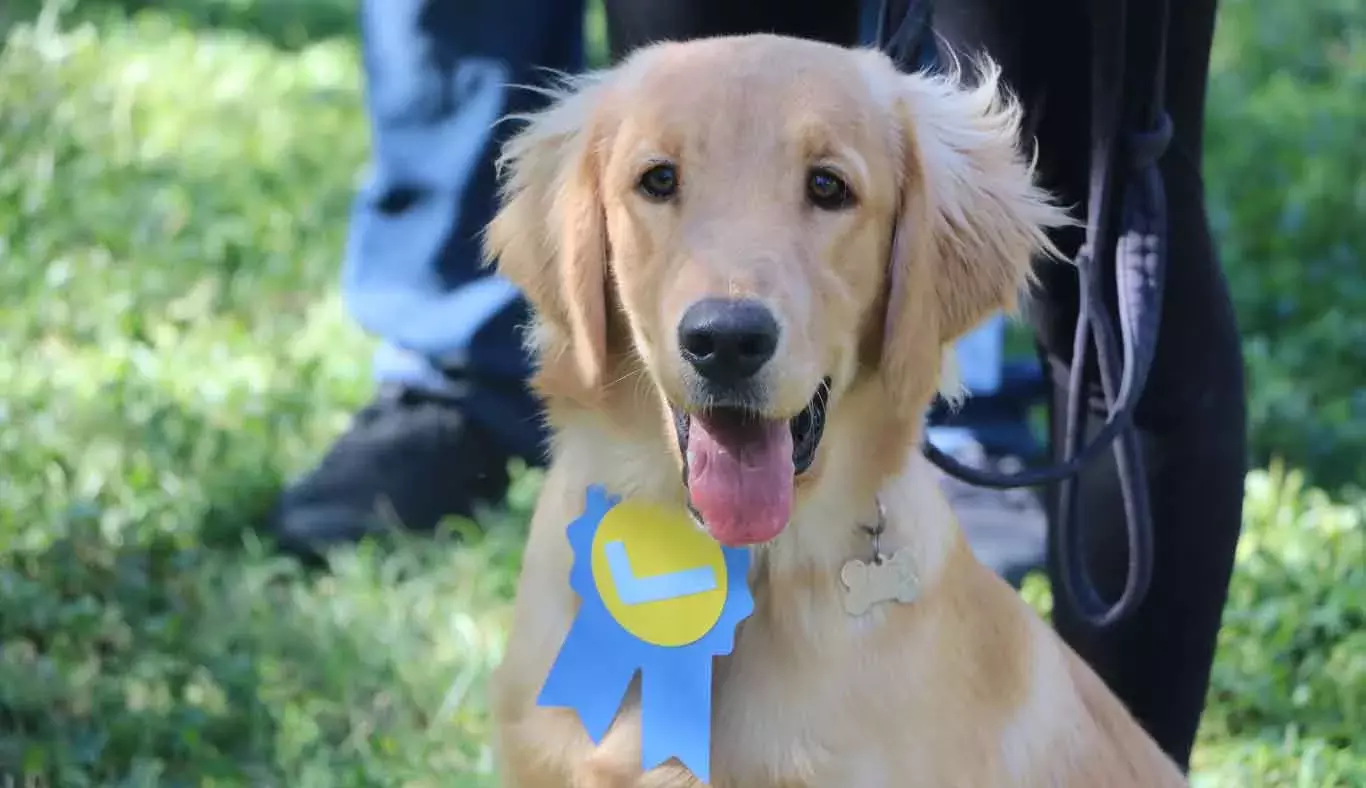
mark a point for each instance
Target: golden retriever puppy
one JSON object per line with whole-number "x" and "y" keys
{"x": 747, "y": 257}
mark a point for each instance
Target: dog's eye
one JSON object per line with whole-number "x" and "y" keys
{"x": 827, "y": 190}
{"x": 660, "y": 182}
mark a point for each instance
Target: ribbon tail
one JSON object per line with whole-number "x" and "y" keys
{"x": 589, "y": 678}
{"x": 675, "y": 712}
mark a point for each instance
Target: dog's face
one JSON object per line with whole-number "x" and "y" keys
{"x": 759, "y": 225}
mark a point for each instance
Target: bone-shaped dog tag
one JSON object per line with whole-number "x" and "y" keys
{"x": 883, "y": 580}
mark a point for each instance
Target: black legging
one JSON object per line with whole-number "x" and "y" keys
{"x": 1192, "y": 416}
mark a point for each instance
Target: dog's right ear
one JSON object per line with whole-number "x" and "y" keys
{"x": 549, "y": 237}
{"x": 972, "y": 220}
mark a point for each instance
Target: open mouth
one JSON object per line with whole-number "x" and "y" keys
{"x": 740, "y": 467}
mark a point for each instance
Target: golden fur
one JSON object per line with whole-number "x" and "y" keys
{"x": 963, "y": 687}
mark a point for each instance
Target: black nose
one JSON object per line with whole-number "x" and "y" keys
{"x": 727, "y": 341}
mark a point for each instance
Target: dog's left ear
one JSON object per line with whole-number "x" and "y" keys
{"x": 549, "y": 237}
{"x": 971, "y": 220}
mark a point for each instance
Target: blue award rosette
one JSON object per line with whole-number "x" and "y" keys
{"x": 658, "y": 596}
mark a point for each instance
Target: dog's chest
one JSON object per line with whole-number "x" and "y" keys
{"x": 790, "y": 720}
{"x": 766, "y": 736}
{"x": 798, "y": 725}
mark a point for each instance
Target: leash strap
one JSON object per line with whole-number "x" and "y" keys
{"x": 1124, "y": 254}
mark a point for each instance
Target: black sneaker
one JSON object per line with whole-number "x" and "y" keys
{"x": 408, "y": 460}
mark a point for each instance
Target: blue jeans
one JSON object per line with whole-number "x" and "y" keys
{"x": 439, "y": 78}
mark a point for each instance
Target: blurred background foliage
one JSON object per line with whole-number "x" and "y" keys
{"x": 174, "y": 189}
{"x": 1286, "y": 169}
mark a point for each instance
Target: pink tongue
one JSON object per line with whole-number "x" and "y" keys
{"x": 740, "y": 477}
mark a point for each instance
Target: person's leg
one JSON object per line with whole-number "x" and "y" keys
{"x": 631, "y": 24}
{"x": 1192, "y": 416}
{"x": 453, "y": 404}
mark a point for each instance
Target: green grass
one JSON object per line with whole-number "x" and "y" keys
{"x": 173, "y": 199}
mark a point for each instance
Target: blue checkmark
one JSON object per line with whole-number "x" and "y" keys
{"x": 634, "y": 590}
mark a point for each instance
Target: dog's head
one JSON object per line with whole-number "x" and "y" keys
{"x": 762, "y": 227}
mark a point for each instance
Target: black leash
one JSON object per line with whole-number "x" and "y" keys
{"x": 1125, "y": 248}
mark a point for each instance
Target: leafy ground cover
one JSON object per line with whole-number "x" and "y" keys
{"x": 174, "y": 186}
